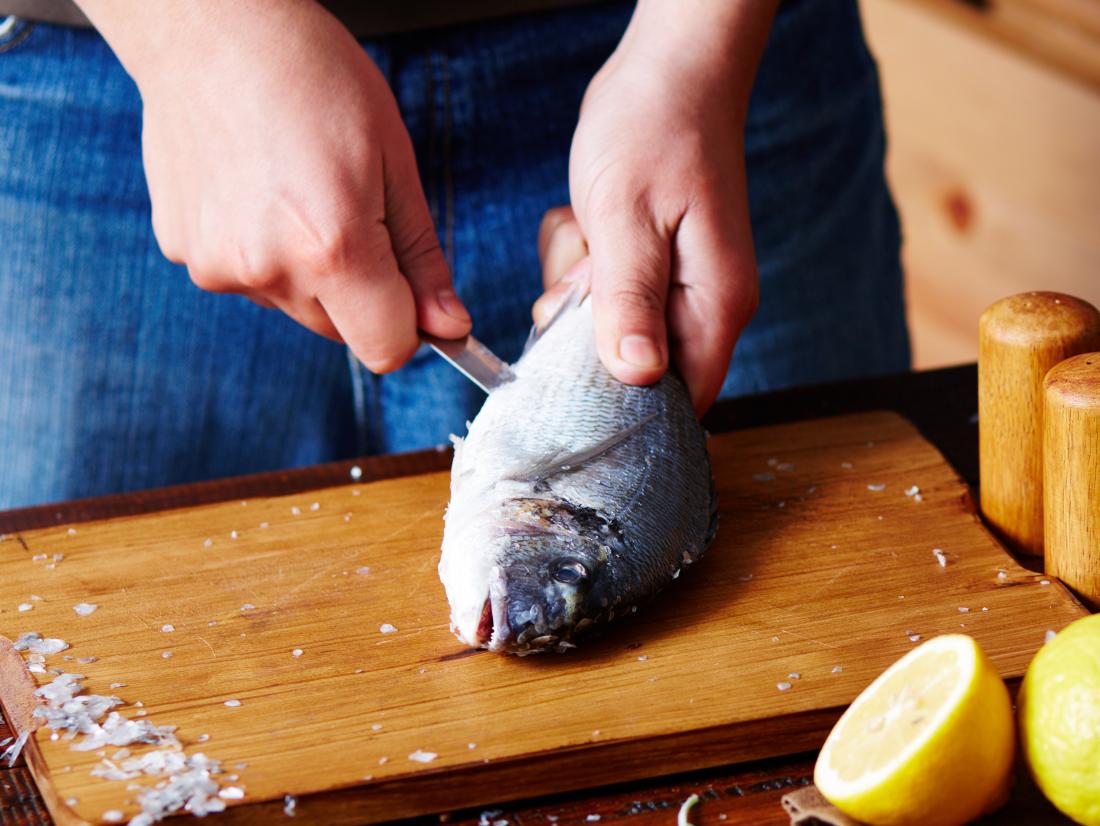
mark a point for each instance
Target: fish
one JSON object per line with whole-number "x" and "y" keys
{"x": 575, "y": 498}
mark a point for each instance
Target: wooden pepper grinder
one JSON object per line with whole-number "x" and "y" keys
{"x": 1071, "y": 474}
{"x": 1020, "y": 338}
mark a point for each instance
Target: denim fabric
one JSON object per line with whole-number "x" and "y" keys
{"x": 116, "y": 373}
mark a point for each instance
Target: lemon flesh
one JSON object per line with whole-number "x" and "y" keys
{"x": 1059, "y": 710}
{"x": 930, "y": 741}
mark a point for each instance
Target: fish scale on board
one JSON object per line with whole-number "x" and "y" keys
{"x": 829, "y": 586}
{"x": 574, "y": 497}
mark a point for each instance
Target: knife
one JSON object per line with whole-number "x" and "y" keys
{"x": 473, "y": 359}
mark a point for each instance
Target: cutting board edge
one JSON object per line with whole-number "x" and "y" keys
{"x": 449, "y": 789}
{"x": 454, "y": 789}
{"x": 16, "y": 681}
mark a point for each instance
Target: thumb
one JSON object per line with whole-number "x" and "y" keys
{"x": 416, "y": 248}
{"x": 630, "y": 260}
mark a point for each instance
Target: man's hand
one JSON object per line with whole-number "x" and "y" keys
{"x": 657, "y": 181}
{"x": 279, "y": 168}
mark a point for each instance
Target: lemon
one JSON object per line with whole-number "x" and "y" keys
{"x": 930, "y": 741}
{"x": 1059, "y": 708}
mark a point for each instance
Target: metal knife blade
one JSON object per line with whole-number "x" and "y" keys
{"x": 473, "y": 359}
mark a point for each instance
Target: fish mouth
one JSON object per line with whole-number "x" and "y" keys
{"x": 484, "y": 631}
{"x": 492, "y": 627}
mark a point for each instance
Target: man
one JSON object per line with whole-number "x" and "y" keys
{"x": 279, "y": 168}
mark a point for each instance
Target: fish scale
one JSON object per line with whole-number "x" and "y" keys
{"x": 574, "y": 497}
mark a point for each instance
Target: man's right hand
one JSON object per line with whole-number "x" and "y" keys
{"x": 279, "y": 168}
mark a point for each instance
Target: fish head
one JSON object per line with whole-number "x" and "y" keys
{"x": 542, "y": 594}
{"x": 550, "y": 579}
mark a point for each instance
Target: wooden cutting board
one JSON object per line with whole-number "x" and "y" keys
{"x": 822, "y": 574}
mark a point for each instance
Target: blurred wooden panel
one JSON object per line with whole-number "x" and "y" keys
{"x": 995, "y": 162}
{"x": 1064, "y": 34}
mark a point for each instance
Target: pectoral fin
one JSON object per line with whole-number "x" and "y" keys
{"x": 551, "y": 466}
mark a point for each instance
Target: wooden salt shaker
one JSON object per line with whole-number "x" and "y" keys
{"x": 1071, "y": 474}
{"x": 1020, "y": 338}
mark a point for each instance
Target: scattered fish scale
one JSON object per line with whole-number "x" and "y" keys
{"x": 35, "y": 643}
{"x": 191, "y": 788}
{"x": 12, "y": 752}
{"x": 188, "y": 782}
{"x": 68, "y": 709}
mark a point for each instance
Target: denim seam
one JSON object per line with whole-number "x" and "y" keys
{"x": 448, "y": 176}
{"x": 428, "y": 174}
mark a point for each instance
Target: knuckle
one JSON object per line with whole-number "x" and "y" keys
{"x": 204, "y": 277}
{"x": 752, "y": 304}
{"x": 553, "y": 219}
{"x": 324, "y": 253}
{"x": 738, "y": 303}
{"x": 568, "y": 233}
{"x": 387, "y": 362}
{"x": 639, "y": 298}
{"x": 168, "y": 240}
{"x": 558, "y": 214}
{"x": 608, "y": 201}
{"x": 317, "y": 240}
{"x": 386, "y": 356}
{"x": 420, "y": 253}
{"x": 260, "y": 277}
{"x": 747, "y": 290}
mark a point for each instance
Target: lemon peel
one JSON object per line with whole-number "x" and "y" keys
{"x": 1059, "y": 718}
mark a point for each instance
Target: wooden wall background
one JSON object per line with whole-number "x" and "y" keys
{"x": 993, "y": 113}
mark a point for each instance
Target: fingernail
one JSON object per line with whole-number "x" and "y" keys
{"x": 451, "y": 305}
{"x": 640, "y": 351}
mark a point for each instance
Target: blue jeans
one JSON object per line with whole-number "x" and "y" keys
{"x": 116, "y": 373}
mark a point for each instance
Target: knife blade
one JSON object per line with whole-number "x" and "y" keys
{"x": 473, "y": 359}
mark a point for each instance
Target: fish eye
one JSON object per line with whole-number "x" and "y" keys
{"x": 567, "y": 570}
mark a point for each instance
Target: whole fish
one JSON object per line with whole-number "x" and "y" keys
{"x": 574, "y": 497}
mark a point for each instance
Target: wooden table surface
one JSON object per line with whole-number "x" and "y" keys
{"x": 942, "y": 403}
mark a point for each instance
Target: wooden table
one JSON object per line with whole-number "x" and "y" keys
{"x": 942, "y": 403}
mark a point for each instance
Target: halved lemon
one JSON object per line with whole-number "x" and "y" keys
{"x": 930, "y": 741}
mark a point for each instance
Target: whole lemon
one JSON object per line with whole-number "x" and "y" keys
{"x": 1059, "y": 715}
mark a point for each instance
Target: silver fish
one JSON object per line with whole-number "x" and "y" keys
{"x": 574, "y": 497}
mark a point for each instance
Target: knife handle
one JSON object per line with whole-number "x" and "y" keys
{"x": 1020, "y": 338}
{"x": 1071, "y": 474}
